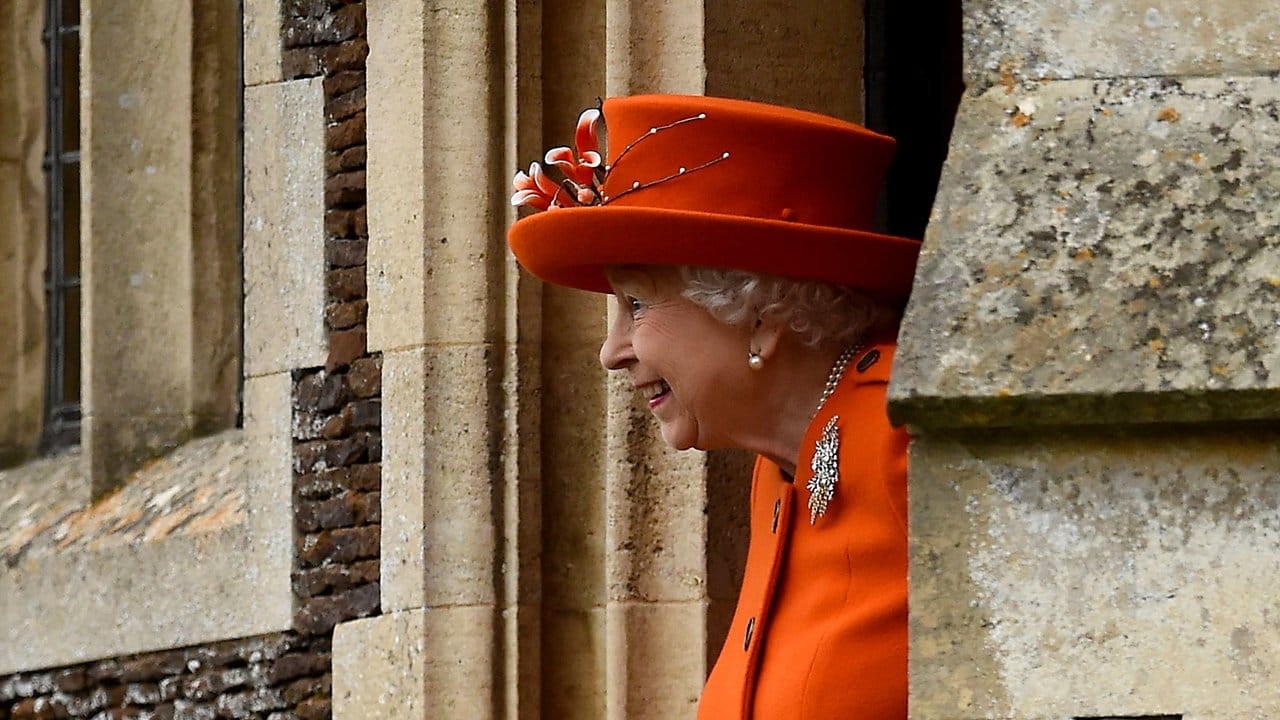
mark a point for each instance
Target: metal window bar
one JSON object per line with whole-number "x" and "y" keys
{"x": 62, "y": 272}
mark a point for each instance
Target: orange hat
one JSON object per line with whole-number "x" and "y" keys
{"x": 713, "y": 182}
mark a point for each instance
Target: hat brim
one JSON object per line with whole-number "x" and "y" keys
{"x": 573, "y": 247}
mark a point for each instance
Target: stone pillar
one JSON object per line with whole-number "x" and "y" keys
{"x": 457, "y": 327}
{"x": 22, "y": 215}
{"x": 574, "y": 438}
{"x": 1091, "y": 365}
{"x": 153, "y": 134}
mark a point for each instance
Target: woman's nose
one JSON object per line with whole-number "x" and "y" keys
{"x": 615, "y": 351}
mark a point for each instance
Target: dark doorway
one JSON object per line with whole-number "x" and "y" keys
{"x": 914, "y": 83}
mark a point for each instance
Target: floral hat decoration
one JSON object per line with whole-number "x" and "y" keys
{"x": 711, "y": 182}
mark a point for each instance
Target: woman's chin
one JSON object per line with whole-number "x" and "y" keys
{"x": 677, "y": 440}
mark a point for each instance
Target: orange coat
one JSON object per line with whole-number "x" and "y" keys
{"x": 820, "y": 631}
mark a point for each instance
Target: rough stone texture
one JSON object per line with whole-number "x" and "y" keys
{"x": 405, "y": 664}
{"x": 284, "y": 226}
{"x": 189, "y": 491}
{"x": 242, "y": 588}
{"x": 183, "y": 586}
{"x": 1101, "y": 252}
{"x": 650, "y": 636}
{"x": 1096, "y": 574}
{"x": 655, "y": 539}
{"x": 271, "y": 676}
{"x": 379, "y": 667}
{"x": 435, "y": 254}
{"x": 262, "y": 54}
{"x": 437, "y": 549}
{"x": 1010, "y": 40}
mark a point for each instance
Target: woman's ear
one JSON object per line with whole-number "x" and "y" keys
{"x": 766, "y": 336}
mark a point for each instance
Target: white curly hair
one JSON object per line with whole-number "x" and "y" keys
{"x": 818, "y": 313}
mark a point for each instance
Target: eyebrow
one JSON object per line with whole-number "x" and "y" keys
{"x": 632, "y": 275}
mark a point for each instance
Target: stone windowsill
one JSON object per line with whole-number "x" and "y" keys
{"x": 197, "y": 547}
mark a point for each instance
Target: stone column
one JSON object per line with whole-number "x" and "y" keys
{"x": 457, "y": 327}
{"x": 22, "y": 243}
{"x": 1091, "y": 365}
{"x": 155, "y": 114}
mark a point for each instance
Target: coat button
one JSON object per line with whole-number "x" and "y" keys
{"x": 777, "y": 510}
{"x": 751, "y": 629}
{"x": 868, "y": 360}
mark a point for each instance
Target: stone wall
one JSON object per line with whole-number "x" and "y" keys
{"x": 335, "y": 428}
{"x": 1091, "y": 366}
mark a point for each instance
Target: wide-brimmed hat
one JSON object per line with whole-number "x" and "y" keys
{"x": 713, "y": 182}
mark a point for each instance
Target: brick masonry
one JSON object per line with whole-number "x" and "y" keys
{"x": 336, "y": 459}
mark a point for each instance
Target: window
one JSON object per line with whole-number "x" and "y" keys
{"x": 61, "y": 421}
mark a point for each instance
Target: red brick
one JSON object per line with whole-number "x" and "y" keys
{"x": 349, "y": 55}
{"x": 345, "y": 188}
{"x": 342, "y": 316}
{"x": 364, "y": 379}
{"x": 340, "y": 223}
{"x": 346, "y": 134}
{"x": 346, "y": 253}
{"x": 345, "y": 346}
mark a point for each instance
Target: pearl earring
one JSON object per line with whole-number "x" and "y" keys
{"x": 755, "y": 361}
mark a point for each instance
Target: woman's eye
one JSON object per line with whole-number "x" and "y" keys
{"x": 634, "y": 305}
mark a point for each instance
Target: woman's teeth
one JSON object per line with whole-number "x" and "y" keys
{"x": 658, "y": 389}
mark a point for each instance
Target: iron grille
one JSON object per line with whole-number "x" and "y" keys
{"x": 62, "y": 271}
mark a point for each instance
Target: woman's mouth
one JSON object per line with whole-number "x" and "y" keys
{"x": 657, "y": 392}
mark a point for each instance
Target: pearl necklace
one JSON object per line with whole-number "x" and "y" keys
{"x": 837, "y": 372}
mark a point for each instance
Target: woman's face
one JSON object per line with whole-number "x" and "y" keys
{"x": 689, "y": 367}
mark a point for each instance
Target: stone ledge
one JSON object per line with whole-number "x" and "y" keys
{"x": 1101, "y": 252}
{"x": 200, "y": 487}
{"x": 131, "y": 587}
{"x": 1007, "y": 41}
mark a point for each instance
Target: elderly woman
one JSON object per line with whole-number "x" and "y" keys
{"x": 756, "y": 310}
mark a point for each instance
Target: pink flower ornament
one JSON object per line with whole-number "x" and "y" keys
{"x": 580, "y": 166}
{"x": 535, "y": 189}
{"x": 584, "y": 172}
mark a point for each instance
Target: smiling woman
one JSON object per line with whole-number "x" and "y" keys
{"x": 755, "y": 309}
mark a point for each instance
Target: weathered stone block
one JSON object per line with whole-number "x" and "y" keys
{"x": 346, "y": 134}
{"x": 262, "y": 20}
{"x": 284, "y": 226}
{"x": 345, "y": 284}
{"x": 1095, "y": 575}
{"x": 1101, "y": 252}
{"x": 644, "y": 634}
{"x": 383, "y": 670}
{"x": 344, "y": 347}
{"x": 1008, "y": 40}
